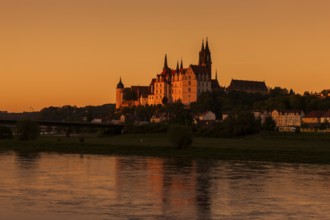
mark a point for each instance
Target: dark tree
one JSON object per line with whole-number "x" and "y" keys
{"x": 180, "y": 135}
{"x": 269, "y": 124}
{"x": 165, "y": 100}
{"x": 27, "y": 130}
{"x": 5, "y": 133}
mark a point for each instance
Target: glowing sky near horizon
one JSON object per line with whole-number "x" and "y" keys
{"x": 59, "y": 52}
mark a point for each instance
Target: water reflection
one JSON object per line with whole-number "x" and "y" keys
{"x": 203, "y": 187}
{"x": 102, "y": 187}
{"x": 27, "y": 160}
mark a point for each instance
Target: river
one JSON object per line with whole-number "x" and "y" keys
{"x": 67, "y": 186}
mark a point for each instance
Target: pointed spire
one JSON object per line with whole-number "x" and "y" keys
{"x": 181, "y": 65}
{"x": 207, "y": 44}
{"x": 120, "y": 85}
{"x": 202, "y": 45}
{"x": 177, "y": 67}
{"x": 165, "y": 62}
{"x": 216, "y": 74}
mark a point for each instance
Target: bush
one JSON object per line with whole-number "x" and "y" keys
{"x": 237, "y": 125}
{"x": 27, "y": 130}
{"x": 269, "y": 124}
{"x": 180, "y": 136}
{"x": 5, "y": 133}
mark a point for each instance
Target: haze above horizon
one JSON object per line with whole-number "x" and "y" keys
{"x": 60, "y": 52}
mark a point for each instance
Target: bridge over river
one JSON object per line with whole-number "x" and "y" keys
{"x": 115, "y": 128}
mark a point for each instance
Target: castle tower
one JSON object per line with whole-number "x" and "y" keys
{"x": 205, "y": 57}
{"x": 119, "y": 94}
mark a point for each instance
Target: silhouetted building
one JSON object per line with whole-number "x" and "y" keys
{"x": 248, "y": 86}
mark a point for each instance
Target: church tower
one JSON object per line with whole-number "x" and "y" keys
{"x": 205, "y": 57}
{"x": 119, "y": 94}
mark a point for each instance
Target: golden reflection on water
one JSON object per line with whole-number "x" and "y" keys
{"x": 114, "y": 187}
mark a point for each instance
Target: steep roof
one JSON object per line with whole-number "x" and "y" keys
{"x": 326, "y": 114}
{"x": 199, "y": 69}
{"x": 152, "y": 81}
{"x": 215, "y": 84}
{"x": 248, "y": 86}
{"x": 141, "y": 90}
{"x": 315, "y": 114}
{"x": 293, "y": 111}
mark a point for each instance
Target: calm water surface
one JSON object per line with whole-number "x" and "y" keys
{"x": 52, "y": 186}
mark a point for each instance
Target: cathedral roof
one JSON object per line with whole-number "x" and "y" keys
{"x": 247, "y": 86}
{"x": 199, "y": 69}
{"x": 215, "y": 84}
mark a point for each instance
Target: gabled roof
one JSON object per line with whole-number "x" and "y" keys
{"x": 166, "y": 72}
{"x": 199, "y": 69}
{"x": 293, "y": 111}
{"x": 326, "y": 114}
{"x": 141, "y": 90}
{"x": 315, "y": 114}
{"x": 246, "y": 85}
{"x": 152, "y": 81}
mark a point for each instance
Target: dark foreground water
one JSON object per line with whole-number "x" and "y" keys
{"x": 51, "y": 186}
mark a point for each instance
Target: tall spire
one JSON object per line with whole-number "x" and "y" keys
{"x": 177, "y": 67}
{"x": 165, "y": 63}
{"x": 216, "y": 74}
{"x": 181, "y": 65}
{"x": 207, "y": 45}
{"x": 201, "y": 55}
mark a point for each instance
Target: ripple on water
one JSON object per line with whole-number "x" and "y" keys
{"x": 108, "y": 187}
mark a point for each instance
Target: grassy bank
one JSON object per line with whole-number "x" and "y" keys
{"x": 276, "y": 148}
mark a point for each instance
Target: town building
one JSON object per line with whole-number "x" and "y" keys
{"x": 287, "y": 120}
{"x": 325, "y": 118}
{"x": 313, "y": 118}
{"x": 206, "y": 118}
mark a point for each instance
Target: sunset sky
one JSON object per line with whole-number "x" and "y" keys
{"x": 60, "y": 52}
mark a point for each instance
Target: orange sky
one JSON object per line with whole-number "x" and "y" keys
{"x": 58, "y": 52}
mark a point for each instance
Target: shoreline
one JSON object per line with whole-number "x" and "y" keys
{"x": 256, "y": 148}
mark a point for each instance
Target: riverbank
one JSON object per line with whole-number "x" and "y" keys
{"x": 272, "y": 148}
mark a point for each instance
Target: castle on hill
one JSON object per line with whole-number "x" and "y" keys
{"x": 180, "y": 84}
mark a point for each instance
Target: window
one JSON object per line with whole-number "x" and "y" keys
{"x": 189, "y": 83}
{"x": 189, "y": 89}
